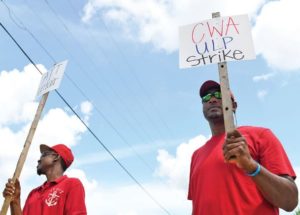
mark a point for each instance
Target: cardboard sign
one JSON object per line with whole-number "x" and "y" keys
{"x": 51, "y": 79}
{"x": 216, "y": 40}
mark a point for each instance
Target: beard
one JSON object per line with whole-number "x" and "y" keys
{"x": 214, "y": 115}
{"x": 39, "y": 171}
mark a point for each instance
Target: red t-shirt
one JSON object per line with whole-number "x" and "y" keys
{"x": 217, "y": 188}
{"x": 64, "y": 196}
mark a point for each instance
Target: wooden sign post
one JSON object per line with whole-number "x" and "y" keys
{"x": 50, "y": 81}
{"x": 225, "y": 90}
{"x": 25, "y": 150}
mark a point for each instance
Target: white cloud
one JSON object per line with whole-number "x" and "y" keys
{"x": 89, "y": 11}
{"x": 59, "y": 127}
{"x": 86, "y": 108}
{"x": 262, "y": 94}
{"x": 275, "y": 27}
{"x": 157, "y": 21}
{"x": 263, "y": 77}
{"x": 78, "y": 173}
{"x": 176, "y": 168}
{"x": 171, "y": 194}
{"x": 56, "y": 126}
{"x": 130, "y": 199}
{"x": 102, "y": 200}
{"x": 17, "y": 109}
{"x": 275, "y": 34}
{"x": 17, "y": 104}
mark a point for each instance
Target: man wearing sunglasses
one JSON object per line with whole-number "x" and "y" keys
{"x": 242, "y": 172}
{"x": 59, "y": 195}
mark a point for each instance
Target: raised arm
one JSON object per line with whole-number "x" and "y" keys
{"x": 13, "y": 190}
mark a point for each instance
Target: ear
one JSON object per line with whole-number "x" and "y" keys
{"x": 56, "y": 158}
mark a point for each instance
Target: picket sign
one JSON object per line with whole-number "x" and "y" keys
{"x": 49, "y": 81}
{"x": 217, "y": 40}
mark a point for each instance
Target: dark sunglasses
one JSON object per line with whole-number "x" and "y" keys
{"x": 46, "y": 153}
{"x": 208, "y": 96}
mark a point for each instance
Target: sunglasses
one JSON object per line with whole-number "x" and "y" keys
{"x": 46, "y": 153}
{"x": 208, "y": 96}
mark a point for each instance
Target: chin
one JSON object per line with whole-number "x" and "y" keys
{"x": 215, "y": 116}
{"x": 215, "y": 119}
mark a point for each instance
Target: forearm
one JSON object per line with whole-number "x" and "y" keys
{"x": 278, "y": 190}
{"x": 12, "y": 193}
{"x": 15, "y": 208}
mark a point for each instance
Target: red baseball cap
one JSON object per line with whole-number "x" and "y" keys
{"x": 210, "y": 84}
{"x": 64, "y": 152}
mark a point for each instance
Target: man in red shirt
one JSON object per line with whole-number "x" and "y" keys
{"x": 59, "y": 195}
{"x": 242, "y": 172}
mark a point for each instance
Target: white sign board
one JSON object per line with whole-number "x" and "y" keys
{"x": 51, "y": 79}
{"x": 216, "y": 40}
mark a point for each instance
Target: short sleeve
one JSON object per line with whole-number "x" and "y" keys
{"x": 273, "y": 156}
{"x": 75, "y": 199}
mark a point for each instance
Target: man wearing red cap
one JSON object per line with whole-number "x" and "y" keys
{"x": 59, "y": 195}
{"x": 242, "y": 172}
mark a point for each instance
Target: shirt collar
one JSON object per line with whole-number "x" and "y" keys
{"x": 49, "y": 183}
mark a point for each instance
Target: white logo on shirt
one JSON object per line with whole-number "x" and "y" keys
{"x": 53, "y": 197}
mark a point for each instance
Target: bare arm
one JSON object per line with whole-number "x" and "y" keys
{"x": 280, "y": 191}
{"x": 13, "y": 190}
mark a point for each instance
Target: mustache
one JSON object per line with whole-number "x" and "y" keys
{"x": 215, "y": 106}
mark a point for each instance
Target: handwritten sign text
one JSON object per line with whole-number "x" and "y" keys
{"x": 216, "y": 40}
{"x": 51, "y": 79}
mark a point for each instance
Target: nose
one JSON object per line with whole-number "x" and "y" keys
{"x": 213, "y": 100}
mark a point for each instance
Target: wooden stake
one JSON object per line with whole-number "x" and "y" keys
{"x": 25, "y": 150}
{"x": 226, "y": 93}
{"x": 226, "y": 97}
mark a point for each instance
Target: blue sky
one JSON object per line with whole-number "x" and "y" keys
{"x": 123, "y": 79}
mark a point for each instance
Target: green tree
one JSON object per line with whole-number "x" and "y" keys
{"x": 297, "y": 211}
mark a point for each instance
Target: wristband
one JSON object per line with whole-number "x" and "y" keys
{"x": 256, "y": 172}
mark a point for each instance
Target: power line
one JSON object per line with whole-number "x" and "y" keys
{"x": 102, "y": 78}
{"x": 150, "y": 167}
{"x": 123, "y": 56}
{"x": 23, "y": 27}
{"x": 86, "y": 97}
{"x": 132, "y": 92}
{"x": 89, "y": 129}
